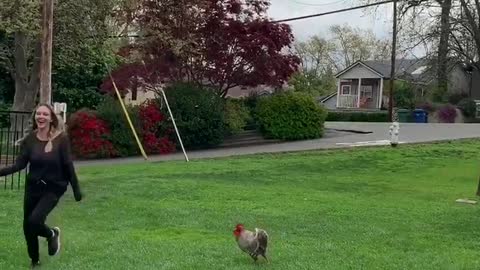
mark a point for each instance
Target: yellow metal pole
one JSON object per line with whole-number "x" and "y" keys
{"x": 170, "y": 112}
{"x": 126, "y": 115}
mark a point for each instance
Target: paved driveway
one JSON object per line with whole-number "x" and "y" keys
{"x": 409, "y": 132}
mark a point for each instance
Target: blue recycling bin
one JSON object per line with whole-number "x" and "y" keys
{"x": 420, "y": 116}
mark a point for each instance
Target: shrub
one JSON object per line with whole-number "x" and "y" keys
{"x": 122, "y": 137}
{"x": 91, "y": 136}
{"x": 251, "y": 104}
{"x": 447, "y": 114}
{"x": 357, "y": 116}
{"x": 237, "y": 116}
{"x": 456, "y": 98}
{"x": 291, "y": 116}
{"x": 404, "y": 96}
{"x": 77, "y": 99}
{"x": 251, "y": 101}
{"x": 439, "y": 94}
{"x": 4, "y": 117}
{"x": 156, "y": 131}
{"x": 7, "y": 87}
{"x": 199, "y": 114}
{"x": 468, "y": 107}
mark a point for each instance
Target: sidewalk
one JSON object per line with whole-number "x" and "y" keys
{"x": 367, "y": 134}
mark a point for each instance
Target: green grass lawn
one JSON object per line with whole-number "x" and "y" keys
{"x": 377, "y": 208}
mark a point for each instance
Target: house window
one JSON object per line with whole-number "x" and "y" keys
{"x": 346, "y": 89}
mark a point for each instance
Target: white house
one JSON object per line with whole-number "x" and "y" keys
{"x": 361, "y": 86}
{"x": 139, "y": 96}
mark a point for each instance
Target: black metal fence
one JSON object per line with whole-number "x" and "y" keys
{"x": 12, "y": 125}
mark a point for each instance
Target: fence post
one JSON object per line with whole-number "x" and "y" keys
{"x": 11, "y": 130}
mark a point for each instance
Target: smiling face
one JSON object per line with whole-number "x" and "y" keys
{"x": 43, "y": 117}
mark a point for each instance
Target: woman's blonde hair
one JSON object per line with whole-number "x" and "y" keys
{"x": 57, "y": 126}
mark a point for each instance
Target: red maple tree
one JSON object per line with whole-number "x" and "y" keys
{"x": 220, "y": 44}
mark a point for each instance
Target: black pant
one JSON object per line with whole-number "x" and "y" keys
{"x": 36, "y": 209}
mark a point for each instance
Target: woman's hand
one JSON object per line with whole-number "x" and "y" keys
{"x": 78, "y": 196}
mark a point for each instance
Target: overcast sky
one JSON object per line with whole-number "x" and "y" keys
{"x": 379, "y": 21}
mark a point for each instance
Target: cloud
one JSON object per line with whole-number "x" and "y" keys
{"x": 378, "y": 21}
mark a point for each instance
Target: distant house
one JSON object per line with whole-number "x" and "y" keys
{"x": 141, "y": 94}
{"x": 362, "y": 85}
{"x": 329, "y": 101}
{"x": 244, "y": 91}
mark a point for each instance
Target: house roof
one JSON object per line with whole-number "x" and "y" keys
{"x": 356, "y": 64}
{"x": 327, "y": 97}
{"x": 402, "y": 66}
{"x": 414, "y": 68}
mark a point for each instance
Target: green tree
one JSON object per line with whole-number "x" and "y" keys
{"x": 81, "y": 30}
{"x": 353, "y": 44}
{"x": 20, "y": 48}
{"x": 404, "y": 95}
{"x": 315, "y": 55}
{"x": 82, "y": 47}
{"x": 313, "y": 84}
{"x": 322, "y": 57}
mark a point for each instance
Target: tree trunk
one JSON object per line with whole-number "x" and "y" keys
{"x": 21, "y": 75}
{"x": 472, "y": 14}
{"x": 442, "y": 60}
{"x": 26, "y": 80}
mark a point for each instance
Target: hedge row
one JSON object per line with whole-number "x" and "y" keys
{"x": 202, "y": 117}
{"x": 357, "y": 116}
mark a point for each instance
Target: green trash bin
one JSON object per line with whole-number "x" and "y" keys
{"x": 404, "y": 115}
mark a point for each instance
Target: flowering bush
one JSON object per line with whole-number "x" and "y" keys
{"x": 105, "y": 134}
{"x": 89, "y": 136}
{"x": 155, "y": 133}
{"x": 447, "y": 114}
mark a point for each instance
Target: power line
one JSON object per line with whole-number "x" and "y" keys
{"x": 318, "y": 5}
{"x": 394, "y": 40}
{"x": 294, "y": 18}
{"x": 333, "y": 12}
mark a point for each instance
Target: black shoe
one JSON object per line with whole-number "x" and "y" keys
{"x": 35, "y": 264}
{"x": 54, "y": 242}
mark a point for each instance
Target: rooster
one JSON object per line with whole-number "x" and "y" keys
{"x": 252, "y": 243}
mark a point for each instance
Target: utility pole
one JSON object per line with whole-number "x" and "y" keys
{"x": 394, "y": 56}
{"x": 46, "y": 56}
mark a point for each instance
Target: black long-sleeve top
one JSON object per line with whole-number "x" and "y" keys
{"x": 49, "y": 171}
